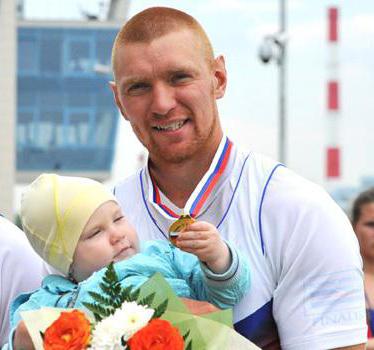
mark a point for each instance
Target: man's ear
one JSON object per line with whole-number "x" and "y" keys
{"x": 220, "y": 77}
{"x": 114, "y": 89}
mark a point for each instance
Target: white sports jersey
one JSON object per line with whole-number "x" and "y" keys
{"x": 306, "y": 271}
{"x": 21, "y": 270}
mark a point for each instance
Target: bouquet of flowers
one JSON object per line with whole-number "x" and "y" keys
{"x": 152, "y": 317}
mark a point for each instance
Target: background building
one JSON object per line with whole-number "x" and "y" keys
{"x": 57, "y": 111}
{"x": 67, "y": 121}
{"x": 7, "y": 104}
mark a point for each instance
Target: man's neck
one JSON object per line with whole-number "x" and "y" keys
{"x": 178, "y": 180}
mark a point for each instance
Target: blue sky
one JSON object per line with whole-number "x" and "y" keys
{"x": 249, "y": 111}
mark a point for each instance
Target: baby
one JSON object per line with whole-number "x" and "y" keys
{"x": 77, "y": 227}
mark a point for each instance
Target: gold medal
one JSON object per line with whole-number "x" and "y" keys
{"x": 179, "y": 226}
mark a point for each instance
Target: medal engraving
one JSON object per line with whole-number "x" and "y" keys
{"x": 179, "y": 226}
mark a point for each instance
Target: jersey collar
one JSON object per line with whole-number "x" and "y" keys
{"x": 203, "y": 191}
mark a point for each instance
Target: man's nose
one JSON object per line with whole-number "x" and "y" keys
{"x": 163, "y": 98}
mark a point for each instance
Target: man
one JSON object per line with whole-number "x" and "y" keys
{"x": 307, "y": 290}
{"x": 21, "y": 270}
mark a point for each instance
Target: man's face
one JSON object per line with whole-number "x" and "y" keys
{"x": 364, "y": 229}
{"x": 107, "y": 237}
{"x": 167, "y": 90}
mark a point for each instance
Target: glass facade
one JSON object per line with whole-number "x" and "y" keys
{"x": 67, "y": 119}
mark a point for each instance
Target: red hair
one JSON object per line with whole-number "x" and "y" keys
{"x": 156, "y": 22}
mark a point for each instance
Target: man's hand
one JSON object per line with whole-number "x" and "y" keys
{"x": 22, "y": 339}
{"x": 199, "y": 307}
{"x": 203, "y": 240}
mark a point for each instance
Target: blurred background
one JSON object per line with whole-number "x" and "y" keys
{"x": 300, "y": 88}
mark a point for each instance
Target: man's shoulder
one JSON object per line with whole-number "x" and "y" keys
{"x": 128, "y": 191}
{"x": 260, "y": 167}
{"x": 127, "y": 182}
{"x": 286, "y": 185}
{"x": 277, "y": 178}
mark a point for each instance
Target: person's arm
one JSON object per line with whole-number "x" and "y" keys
{"x": 203, "y": 240}
{"x": 222, "y": 277}
{"x": 22, "y": 339}
{"x": 318, "y": 301}
{"x": 197, "y": 307}
{"x": 370, "y": 344}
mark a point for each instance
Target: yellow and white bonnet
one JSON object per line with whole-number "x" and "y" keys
{"x": 54, "y": 212}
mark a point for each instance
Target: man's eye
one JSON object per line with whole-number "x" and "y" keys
{"x": 370, "y": 224}
{"x": 180, "y": 78}
{"x": 137, "y": 88}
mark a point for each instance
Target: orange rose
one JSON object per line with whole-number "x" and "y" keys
{"x": 70, "y": 331}
{"x": 157, "y": 335}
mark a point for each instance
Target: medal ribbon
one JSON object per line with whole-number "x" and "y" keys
{"x": 203, "y": 189}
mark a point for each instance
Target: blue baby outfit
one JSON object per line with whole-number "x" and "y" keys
{"x": 186, "y": 275}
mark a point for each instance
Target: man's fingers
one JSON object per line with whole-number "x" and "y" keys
{"x": 199, "y": 226}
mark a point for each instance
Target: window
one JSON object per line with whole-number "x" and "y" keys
{"x": 49, "y": 129}
{"x": 26, "y": 132}
{"x": 28, "y": 54}
{"x": 78, "y": 57}
{"x": 50, "y": 55}
{"x": 78, "y": 128}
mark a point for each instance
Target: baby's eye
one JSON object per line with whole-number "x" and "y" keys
{"x": 118, "y": 218}
{"x": 93, "y": 234}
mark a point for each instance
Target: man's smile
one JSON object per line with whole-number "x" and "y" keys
{"x": 171, "y": 126}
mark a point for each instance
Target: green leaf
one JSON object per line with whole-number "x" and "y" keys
{"x": 99, "y": 298}
{"x": 159, "y": 310}
{"x": 186, "y": 335}
{"x": 98, "y": 310}
{"x": 148, "y": 300}
{"x": 114, "y": 295}
{"x": 189, "y": 345}
{"x": 135, "y": 295}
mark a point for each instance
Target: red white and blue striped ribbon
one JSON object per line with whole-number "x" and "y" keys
{"x": 203, "y": 189}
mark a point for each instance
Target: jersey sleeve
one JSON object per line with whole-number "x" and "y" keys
{"x": 15, "y": 254}
{"x": 318, "y": 302}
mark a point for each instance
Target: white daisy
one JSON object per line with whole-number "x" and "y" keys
{"x": 125, "y": 322}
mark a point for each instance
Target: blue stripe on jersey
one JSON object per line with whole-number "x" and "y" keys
{"x": 262, "y": 200}
{"x": 260, "y": 328}
{"x": 146, "y": 206}
{"x": 233, "y": 194}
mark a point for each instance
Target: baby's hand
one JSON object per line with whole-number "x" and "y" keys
{"x": 203, "y": 240}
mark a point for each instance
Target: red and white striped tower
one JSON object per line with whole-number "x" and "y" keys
{"x": 333, "y": 152}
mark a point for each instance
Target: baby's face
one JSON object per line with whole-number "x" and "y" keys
{"x": 107, "y": 237}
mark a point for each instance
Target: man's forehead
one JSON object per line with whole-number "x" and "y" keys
{"x": 181, "y": 38}
{"x": 138, "y": 59}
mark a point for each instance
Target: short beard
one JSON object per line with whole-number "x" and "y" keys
{"x": 187, "y": 153}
